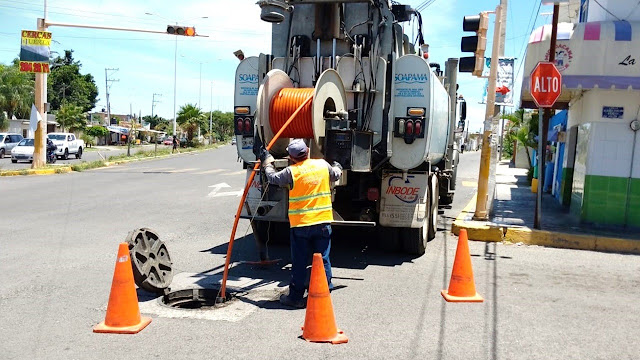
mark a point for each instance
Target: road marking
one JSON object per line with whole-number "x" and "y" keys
{"x": 183, "y": 170}
{"x": 470, "y": 184}
{"x": 212, "y": 171}
{"x": 216, "y": 188}
{"x": 236, "y": 173}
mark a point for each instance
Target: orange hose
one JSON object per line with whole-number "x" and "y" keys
{"x": 246, "y": 191}
{"x": 283, "y": 104}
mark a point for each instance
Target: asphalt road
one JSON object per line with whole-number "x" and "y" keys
{"x": 91, "y": 154}
{"x": 59, "y": 236}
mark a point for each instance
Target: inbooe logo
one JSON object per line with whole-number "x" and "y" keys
{"x": 248, "y": 78}
{"x": 407, "y": 78}
{"x": 404, "y": 190}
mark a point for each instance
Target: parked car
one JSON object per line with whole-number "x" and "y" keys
{"x": 23, "y": 151}
{"x": 67, "y": 144}
{"x": 7, "y": 142}
{"x": 168, "y": 141}
{"x": 233, "y": 140}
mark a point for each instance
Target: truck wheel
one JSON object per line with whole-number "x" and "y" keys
{"x": 1, "y": 153}
{"x": 414, "y": 241}
{"x": 66, "y": 154}
{"x": 434, "y": 191}
{"x": 446, "y": 199}
{"x": 79, "y": 153}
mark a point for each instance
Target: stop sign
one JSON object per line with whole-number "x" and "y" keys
{"x": 545, "y": 84}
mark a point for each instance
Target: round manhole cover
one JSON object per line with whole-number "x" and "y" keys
{"x": 151, "y": 263}
{"x": 194, "y": 298}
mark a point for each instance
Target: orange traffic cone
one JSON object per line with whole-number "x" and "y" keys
{"x": 319, "y": 321}
{"x": 462, "y": 288}
{"x": 123, "y": 313}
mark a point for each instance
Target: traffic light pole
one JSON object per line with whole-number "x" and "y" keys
{"x": 481, "y": 212}
{"x": 543, "y": 126}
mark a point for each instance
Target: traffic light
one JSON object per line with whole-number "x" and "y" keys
{"x": 181, "y": 30}
{"x": 475, "y": 44}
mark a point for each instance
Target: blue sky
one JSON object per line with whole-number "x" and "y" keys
{"x": 146, "y": 61}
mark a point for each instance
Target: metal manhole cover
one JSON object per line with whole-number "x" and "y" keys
{"x": 194, "y": 298}
{"x": 151, "y": 263}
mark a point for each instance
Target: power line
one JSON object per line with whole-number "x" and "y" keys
{"x": 536, "y": 13}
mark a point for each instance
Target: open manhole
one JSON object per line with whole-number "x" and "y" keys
{"x": 194, "y": 298}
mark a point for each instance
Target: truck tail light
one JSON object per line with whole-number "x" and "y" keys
{"x": 239, "y": 125}
{"x": 418, "y": 128}
{"x": 242, "y": 110}
{"x": 409, "y": 128}
{"x": 247, "y": 125}
{"x": 373, "y": 194}
{"x": 401, "y": 127}
{"x": 415, "y": 112}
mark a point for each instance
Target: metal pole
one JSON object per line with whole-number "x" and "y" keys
{"x": 485, "y": 158}
{"x": 175, "y": 79}
{"x": 211, "y": 115}
{"x": 501, "y": 134}
{"x": 543, "y": 127}
{"x": 451, "y": 79}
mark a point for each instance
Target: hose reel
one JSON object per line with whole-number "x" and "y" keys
{"x": 278, "y": 99}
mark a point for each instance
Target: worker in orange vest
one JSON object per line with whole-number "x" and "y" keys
{"x": 310, "y": 212}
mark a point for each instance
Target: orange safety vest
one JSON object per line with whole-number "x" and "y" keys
{"x": 310, "y": 197}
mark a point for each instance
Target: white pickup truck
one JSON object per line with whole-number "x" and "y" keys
{"x": 67, "y": 144}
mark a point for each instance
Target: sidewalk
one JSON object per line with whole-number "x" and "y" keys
{"x": 512, "y": 220}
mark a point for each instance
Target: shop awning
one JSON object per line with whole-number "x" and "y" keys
{"x": 589, "y": 55}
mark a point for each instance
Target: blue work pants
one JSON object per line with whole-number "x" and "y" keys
{"x": 305, "y": 241}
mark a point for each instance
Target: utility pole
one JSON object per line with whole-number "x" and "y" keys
{"x": 543, "y": 125}
{"x": 481, "y": 212}
{"x": 211, "y": 114}
{"x": 153, "y": 102}
{"x": 39, "y": 159}
{"x": 107, "y": 87}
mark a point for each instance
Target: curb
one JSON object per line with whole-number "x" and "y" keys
{"x": 488, "y": 232}
{"x": 49, "y": 171}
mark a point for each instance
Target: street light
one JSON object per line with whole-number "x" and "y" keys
{"x": 175, "y": 64}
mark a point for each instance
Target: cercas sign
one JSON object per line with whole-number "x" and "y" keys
{"x": 546, "y": 84}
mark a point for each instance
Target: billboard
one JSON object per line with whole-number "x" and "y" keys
{"x": 34, "y": 51}
{"x": 504, "y": 82}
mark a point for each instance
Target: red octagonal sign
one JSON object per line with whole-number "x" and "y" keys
{"x": 545, "y": 84}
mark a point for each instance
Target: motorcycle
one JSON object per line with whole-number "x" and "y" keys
{"x": 51, "y": 154}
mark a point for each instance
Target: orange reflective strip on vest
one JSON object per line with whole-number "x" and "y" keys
{"x": 310, "y": 197}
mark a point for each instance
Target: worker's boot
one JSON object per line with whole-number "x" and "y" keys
{"x": 290, "y": 301}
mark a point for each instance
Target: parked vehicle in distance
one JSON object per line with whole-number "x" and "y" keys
{"x": 233, "y": 140}
{"x": 168, "y": 140}
{"x": 161, "y": 138}
{"x": 67, "y": 144}
{"x": 23, "y": 151}
{"x": 7, "y": 142}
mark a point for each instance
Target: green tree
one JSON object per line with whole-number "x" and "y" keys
{"x": 222, "y": 124}
{"x": 190, "y": 118}
{"x": 154, "y": 120}
{"x": 522, "y": 128}
{"x": 97, "y": 131}
{"x": 67, "y": 84}
{"x": 16, "y": 91}
{"x": 71, "y": 117}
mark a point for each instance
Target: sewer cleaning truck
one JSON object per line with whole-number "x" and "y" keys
{"x": 378, "y": 107}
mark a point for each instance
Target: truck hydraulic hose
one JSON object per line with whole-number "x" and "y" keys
{"x": 244, "y": 196}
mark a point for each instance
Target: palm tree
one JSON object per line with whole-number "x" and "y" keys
{"x": 190, "y": 118}
{"x": 16, "y": 91}
{"x": 522, "y": 130}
